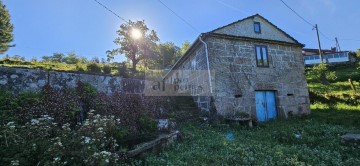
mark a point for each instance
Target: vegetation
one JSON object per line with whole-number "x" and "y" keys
{"x": 6, "y": 28}
{"x": 321, "y": 73}
{"x": 56, "y": 127}
{"x": 136, "y": 42}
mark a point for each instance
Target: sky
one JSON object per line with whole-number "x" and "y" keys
{"x": 43, "y": 27}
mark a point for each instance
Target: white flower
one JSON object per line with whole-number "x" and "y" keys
{"x": 34, "y": 121}
{"x": 100, "y": 129}
{"x": 87, "y": 140}
{"x": 10, "y": 123}
{"x": 105, "y": 153}
{"x": 107, "y": 160}
{"x": 57, "y": 159}
{"x": 15, "y": 162}
{"x": 58, "y": 143}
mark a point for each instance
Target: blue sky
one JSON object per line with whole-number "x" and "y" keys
{"x": 43, "y": 27}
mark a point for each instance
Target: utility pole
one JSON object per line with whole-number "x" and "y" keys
{"x": 317, "y": 34}
{"x": 337, "y": 45}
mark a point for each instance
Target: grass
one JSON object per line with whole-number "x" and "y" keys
{"x": 271, "y": 143}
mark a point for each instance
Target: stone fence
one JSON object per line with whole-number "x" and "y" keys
{"x": 21, "y": 79}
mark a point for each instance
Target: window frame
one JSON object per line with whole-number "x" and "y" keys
{"x": 257, "y": 24}
{"x": 262, "y": 56}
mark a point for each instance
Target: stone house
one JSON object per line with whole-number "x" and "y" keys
{"x": 253, "y": 67}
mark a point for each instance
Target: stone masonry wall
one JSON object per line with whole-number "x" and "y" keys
{"x": 19, "y": 80}
{"x": 238, "y": 77}
{"x": 196, "y": 63}
{"x": 246, "y": 28}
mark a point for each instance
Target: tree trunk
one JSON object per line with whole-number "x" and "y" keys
{"x": 134, "y": 65}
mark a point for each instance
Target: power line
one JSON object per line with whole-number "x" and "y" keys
{"x": 232, "y": 7}
{"x": 179, "y": 16}
{"x": 297, "y": 13}
{"x": 322, "y": 34}
{"x": 350, "y": 39}
{"x": 110, "y": 11}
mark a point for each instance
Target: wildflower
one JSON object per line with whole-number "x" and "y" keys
{"x": 15, "y": 162}
{"x": 107, "y": 160}
{"x": 100, "y": 129}
{"x": 34, "y": 121}
{"x": 10, "y": 123}
{"x": 87, "y": 140}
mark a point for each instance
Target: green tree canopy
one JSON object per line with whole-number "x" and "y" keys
{"x": 6, "y": 29}
{"x": 168, "y": 53}
{"x": 136, "y": 41}
{"x": 185, "y": 46}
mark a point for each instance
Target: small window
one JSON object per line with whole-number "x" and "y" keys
{"x": 257, "y": 28}
{"x": 261, "y": 56}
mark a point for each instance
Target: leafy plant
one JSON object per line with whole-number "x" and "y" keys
{"x": 322, "y": 74}
{"x": 107, "y": 69}
{"x": 93, "y": 68}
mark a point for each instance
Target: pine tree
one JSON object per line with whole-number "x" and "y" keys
{"x": 6, "y": 29}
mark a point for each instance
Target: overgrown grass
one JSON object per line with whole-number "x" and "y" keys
{"x": 272, "y": 143}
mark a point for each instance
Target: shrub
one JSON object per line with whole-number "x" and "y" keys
{"x": 107, "y": 69}
{"x": 42, "y": 142}
{"x": 322, "y": 74}
{"x": 93, "y": 68}
{"x": 63, "y": 106}
{"x": 79, "y": 67}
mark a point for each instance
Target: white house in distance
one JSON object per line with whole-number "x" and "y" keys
{"x": 312, "y": 57}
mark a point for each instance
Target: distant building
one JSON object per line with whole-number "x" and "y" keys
{"x": 259, "y": 69}
{"x": 312, "y": 57}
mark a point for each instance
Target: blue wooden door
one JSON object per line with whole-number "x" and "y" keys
{"x": 265, "y": 105}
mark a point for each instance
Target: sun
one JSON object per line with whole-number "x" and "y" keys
{"x": 136, "y": 33}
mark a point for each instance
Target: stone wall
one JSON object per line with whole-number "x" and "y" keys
{"x": 238, "y": 77}
{"x": 245, "y": 28}
{"x": 19, "y": 79}
{"x": 195, "y": 67}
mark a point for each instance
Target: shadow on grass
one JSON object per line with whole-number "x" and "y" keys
{"x": 337, "y": 116}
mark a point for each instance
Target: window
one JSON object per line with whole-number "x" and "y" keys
{"x": 261, "y": 56}
{"x": 257, "y": 28}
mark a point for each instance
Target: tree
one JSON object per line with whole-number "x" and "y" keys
{"x": 322, "y": 74}
{"x": 95, "y": 59}
{"x": 56, "y": 57}
{"x": 185, "y": 46}
{"x": 18, "y": 57}
{"x": 6, "y": 29}
{"x": 71, "y": 58}
{"x": 136, "y": 41}
{"x": 168, "y": 53}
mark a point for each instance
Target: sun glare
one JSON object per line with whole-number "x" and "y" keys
{"x": 136, "y": 33}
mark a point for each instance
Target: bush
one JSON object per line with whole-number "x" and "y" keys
{"x": 107, "y": 69}
{"x": 322, "y": 74}
{"x": 93, "y": 68}
{"x": 42, "y": 142}
{"x": 79, "y": 67}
